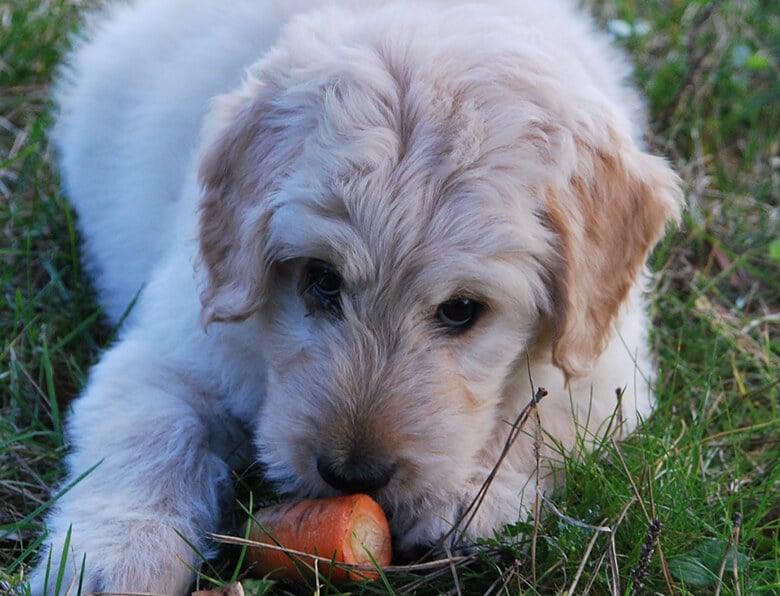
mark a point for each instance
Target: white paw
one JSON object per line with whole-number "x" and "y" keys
{"x": 121, "y": 557}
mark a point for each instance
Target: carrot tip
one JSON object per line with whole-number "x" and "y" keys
{"x": 369, "y": 540}
{"x": 351, "y": 529}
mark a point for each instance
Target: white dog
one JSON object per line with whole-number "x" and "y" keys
{"x": 359, "y": 235}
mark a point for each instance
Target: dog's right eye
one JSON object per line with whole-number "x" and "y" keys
{"x": 322, "y": 287}
{"x": 459, "y": 314}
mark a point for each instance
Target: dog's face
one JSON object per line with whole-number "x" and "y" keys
{"x": 404, "y": 231}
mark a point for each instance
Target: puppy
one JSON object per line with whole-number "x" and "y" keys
{"x": 355, "y": 236}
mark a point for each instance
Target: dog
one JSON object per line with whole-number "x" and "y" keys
{"x": 347, "y": 241}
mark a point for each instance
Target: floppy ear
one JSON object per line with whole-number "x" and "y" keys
{"x": 247, "y": 147}
{"x": 611, "y": 214}
{"x": 232, "y": 274}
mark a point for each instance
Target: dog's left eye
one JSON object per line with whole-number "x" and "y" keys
{"x": 323, "y": 283}
{"x": 459, "y": 314}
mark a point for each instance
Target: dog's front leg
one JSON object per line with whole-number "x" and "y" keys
{"x": 144, "y": 480}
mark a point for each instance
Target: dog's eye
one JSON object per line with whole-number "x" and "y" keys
{"x": 323, "y": 283}
{"x": 459, "y": 314}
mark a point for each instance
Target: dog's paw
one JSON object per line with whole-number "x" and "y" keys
{"x": 124, "y": 557}
{"x": 489, "y": 509}
{"x": 431, "y": 527}
{"x": 456, "y": 522}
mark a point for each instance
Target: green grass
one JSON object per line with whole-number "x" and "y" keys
{"x": 705, "y": 466}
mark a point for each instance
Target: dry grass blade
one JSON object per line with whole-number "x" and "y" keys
{"x": 453, "y": 571}
{"x": 470, "y": 512}
{"x": 427, "y": 566}
{"x": 731, "y": 553}
{"x": 650, "y": 519}
{"x": 584, "y": 560}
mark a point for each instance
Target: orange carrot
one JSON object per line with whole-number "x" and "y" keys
{"x": 351, "y": 529}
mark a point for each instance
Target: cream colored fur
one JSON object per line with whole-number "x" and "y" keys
{"x": 426, "y": 151}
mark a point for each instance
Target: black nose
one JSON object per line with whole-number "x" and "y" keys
{"x": 357, "y": 475}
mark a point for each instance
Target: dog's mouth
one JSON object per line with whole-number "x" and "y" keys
{"x": 420, "y": 524}
{"x": 420, "y": 511}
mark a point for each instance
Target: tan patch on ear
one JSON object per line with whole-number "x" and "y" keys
{"x": 608, "y": 219}
{"x": 243, "y": 154}
{"x": 228, "y": 294}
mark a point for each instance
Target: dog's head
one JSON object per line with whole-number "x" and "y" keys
{"x": 405, "y": 214}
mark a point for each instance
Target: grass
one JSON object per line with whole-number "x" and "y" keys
{"x": 689, "y": 505}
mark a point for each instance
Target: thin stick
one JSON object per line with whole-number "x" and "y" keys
{"x": 470, "y": 512}
{"x": 537, "y": 499}
{"x": 613, "y": 564}
{"x": 631, "y": 480}
{"x": 737, "y": 523}
{"x": 224, "y": 539}
{"x": 612, "y": 549}
{"x": 731, "y": 549}
{"x": 661, "y": 556}
{"x": 589, "y": 586}
{"x": 453, "y": 570}
{"x": 584, "y": 560}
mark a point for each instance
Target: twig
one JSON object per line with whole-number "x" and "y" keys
{"x": 584, "y": 560}
{"x": 453, "y": 570}
{"x": 470, "y": 512}
{"x": 537, "y": 499}
{"x": 589, "y": 586}
{"x": 613, "y": 564}
{"x": 731, "y": 550}
{"x": 736, "y": 526}
{"x": 631, "y": 480}
{"x": 612, "y": 549}
{"x": 662, "y": 559}
{"x": 659, "y": 547}
{"x": 438, "y": 563}
{"x": 514, "y": 574}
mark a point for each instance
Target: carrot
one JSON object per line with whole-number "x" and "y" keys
{"x": 351, "y": 529}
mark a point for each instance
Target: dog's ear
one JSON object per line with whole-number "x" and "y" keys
{"x": 230, "y": 293}
{"x": 246, "y": 146}
{"x": 610, "y": 215}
